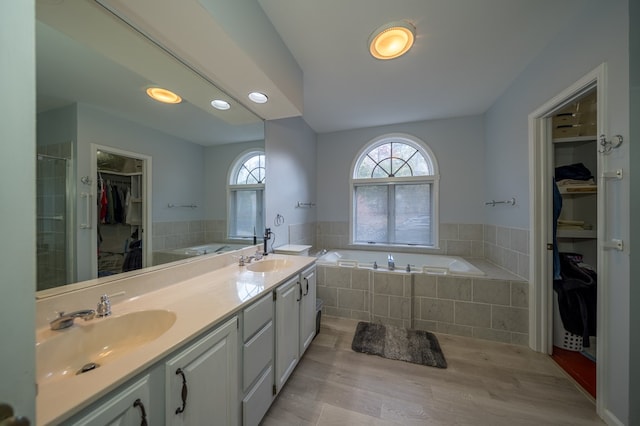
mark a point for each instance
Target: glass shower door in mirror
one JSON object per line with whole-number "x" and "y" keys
{"x": 54, "y": 244}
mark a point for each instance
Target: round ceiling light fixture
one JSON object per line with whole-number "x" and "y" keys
{"x": 259, "y": 98}
{"x": 220, "y": 104}
{"x": 392, "y": 40}
{"x": 163, "y": 95}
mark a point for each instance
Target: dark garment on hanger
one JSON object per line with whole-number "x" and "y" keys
{"x": 133, "y": 258}
{"x": 557, "y": 208}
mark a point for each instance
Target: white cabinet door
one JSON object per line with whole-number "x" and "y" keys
{"x": 126, "y": 407}
{"x": 288, "y": 297}
{"x": 202, "y": 380}
{"x": 307, "y": 309}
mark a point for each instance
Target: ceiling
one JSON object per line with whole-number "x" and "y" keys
{"x": 467, "y": 53}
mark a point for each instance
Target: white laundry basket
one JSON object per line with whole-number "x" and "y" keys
{"x": 561, "y": 337}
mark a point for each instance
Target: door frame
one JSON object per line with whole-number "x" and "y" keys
{"x": 147, "y": 259}
{"x": 540, "y": 170}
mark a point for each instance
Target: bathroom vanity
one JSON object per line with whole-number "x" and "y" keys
{"x": 213, "y": 347}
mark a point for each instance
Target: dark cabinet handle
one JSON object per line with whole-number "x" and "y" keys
{"x": 307, "y": 281}
{"x": 299, "y": 288}
{"x": 184, "y": 392}
{"x": 143, "y": 413}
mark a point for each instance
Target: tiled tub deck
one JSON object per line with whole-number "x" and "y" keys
{"x": 494, "y": 307}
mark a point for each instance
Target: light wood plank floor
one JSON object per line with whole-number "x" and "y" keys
{"x": 485, "y": 383}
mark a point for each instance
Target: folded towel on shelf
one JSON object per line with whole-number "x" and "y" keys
{"x": 571, "y": 182}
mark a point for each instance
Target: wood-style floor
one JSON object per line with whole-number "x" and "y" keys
{"x": 485, "y": 383}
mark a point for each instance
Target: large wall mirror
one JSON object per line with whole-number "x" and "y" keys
{"x": 95, "y": 122}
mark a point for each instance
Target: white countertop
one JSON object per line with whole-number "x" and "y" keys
{"x": 199, "y": 304}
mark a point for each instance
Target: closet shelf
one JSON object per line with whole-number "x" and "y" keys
{"x": 569, "y": 190}
{"x": 592, "y": 138}
{"x": 577, "y": 233}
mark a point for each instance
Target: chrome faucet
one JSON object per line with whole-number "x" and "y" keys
{"x": 391, "y": 265}
{"x": 104, "y": 306}
{"x": 66, "y": 320}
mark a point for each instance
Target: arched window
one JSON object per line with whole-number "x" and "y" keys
{"x": 394, "y": 188}
{"x": 246, "y": 195}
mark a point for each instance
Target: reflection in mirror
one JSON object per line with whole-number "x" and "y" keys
{"x": 92, "y": 75}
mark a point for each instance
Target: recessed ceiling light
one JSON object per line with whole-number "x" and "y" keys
{"x": 163, "y": 95}
{"x": 259, "y": 98}
{"x": 392, "y": 40}
{"x": 220, "y": 104}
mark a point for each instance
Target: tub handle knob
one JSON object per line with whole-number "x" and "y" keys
{"x": 408, "y": 267}
{"x": 375, "y": 265}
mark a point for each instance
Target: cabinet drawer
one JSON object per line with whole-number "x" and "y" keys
{"x": 257, "y": 315}
{"x": 258, "y": 352}
{"x": 258, "y": 401}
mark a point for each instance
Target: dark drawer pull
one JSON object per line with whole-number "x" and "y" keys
{"x": 184, "y": 392}
{"x": 143, "y": 414}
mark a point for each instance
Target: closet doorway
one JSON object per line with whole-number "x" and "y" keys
{"x": 567, "y": 226}
{"x": 122, "y": 237}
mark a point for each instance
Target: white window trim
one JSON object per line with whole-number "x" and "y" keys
{"x": 232, "y": 186}
{"x": 434, "y": 178}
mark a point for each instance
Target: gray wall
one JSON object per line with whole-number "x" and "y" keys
{"x": 599, "y": 33}
{"x": 290, "y": 147}
{"x": 18, "y": 228}
{"x": 457, "y": 144}
{"x": 634, "y": 151}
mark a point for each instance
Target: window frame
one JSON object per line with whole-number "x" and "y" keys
{"x": 234, "y": 188}
{"x": 432, "y": 180}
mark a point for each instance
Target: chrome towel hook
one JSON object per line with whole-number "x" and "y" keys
{"x": 607, "y": 146}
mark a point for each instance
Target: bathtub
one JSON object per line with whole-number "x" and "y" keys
{"x": 423, "y": 263}
{"x": 166, "y": 256}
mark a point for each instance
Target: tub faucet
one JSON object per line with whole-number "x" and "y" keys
{"x": 66, "y": 320}
{"x": 391, "y": 265}
{"x": 267, "y": 236}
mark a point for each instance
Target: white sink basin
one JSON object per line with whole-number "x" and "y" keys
{"x": 66, "y": 352}
{"x": 269, "y": 265}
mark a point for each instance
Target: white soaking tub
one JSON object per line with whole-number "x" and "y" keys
{"x": 424, "y": 263}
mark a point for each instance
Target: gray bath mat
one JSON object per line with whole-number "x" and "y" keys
{"x": 387, "y": 341}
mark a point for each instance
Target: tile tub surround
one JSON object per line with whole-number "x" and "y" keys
{"x": 506, "y": 247}
{"x": 487, "y": 308}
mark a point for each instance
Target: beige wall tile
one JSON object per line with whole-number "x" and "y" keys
{"x": 449, "y": 231}
{"x": 337, "y": 277}
{"x": 388, "y": 283}
{"x": 503, "y": 237}
{"x": 329, "y": 295}
{"x": 459, "y": 248}
{"x": 436, "y": 310}
{"x": 351, "y": 299}
{"x": 424, "y": 285}
{"x": 520, "y": 294}
{"x": 399, "y": 307}
{"x": 495, "y": 335}
{"x": 425, "y": 325}
{"x": 490, "y": 234}
{"x": 380, "y": 305}
{"x": 459, "y": 330}
{"x": 360, "y": 279}
{"x": 520, "y": 240}
{"x": 474, "y": 314}
{"x": 492, "y": 291}
{"x": 521, "y": 339}
{"x": 454, "y": 288}
{"x": 510, "y": 319}
{"x": 470, "y": 232}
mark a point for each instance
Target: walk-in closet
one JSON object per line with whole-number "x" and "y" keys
{"x": 575, "y": 218}
{"x": 120, "y": 213}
